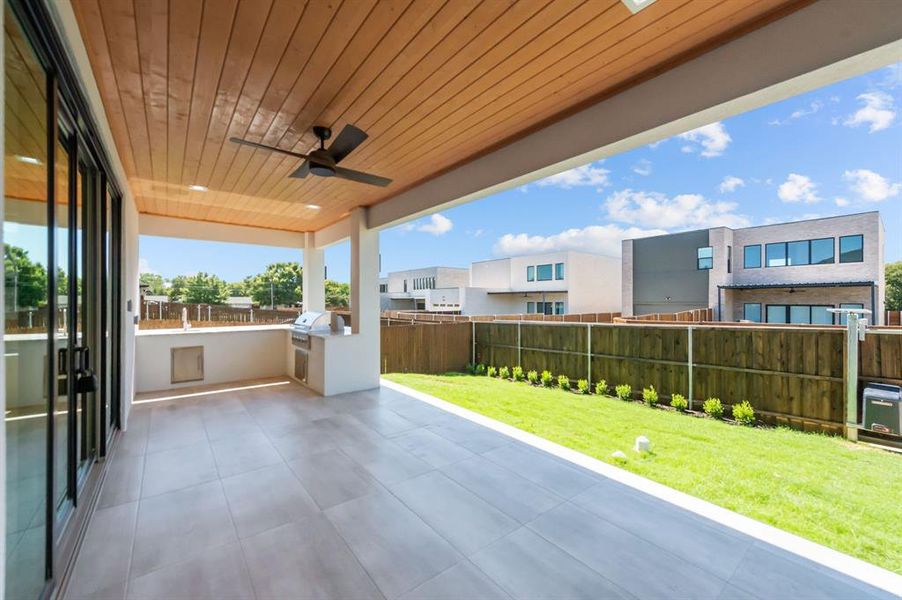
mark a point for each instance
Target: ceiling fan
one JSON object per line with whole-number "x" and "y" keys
{"x": 323, "y": 161}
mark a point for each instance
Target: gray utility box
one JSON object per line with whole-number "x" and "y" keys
{"x": 883, "y": 408}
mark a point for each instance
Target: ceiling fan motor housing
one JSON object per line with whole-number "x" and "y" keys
{"x": 321, "y": 163}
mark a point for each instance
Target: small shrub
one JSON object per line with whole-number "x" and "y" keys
{"x": 532, "y": 377}
{"x": 491, "y": 372}
{"x": 624, "y": 391}
{"x": 479, "y": 370}
{"x": 601, "y": 387}
{"x": 518, "y": 374}
{"x": 547, "y": 379}
{"x": 713, "y": 408}
{"x": 743, "y": 413}
{"x": 563, "y": 382}
{"x": 504, "y": 373}
{"x": 471, "y": 369}
{"x": 679, "y": 402}
{"x": 650, "y": 395}
{"x": 583, "y": 386}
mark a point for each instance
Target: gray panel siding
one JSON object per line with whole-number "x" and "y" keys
{"x": 665, "y": 266}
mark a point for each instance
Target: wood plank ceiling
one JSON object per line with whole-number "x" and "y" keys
{"x": 435, "y": 83}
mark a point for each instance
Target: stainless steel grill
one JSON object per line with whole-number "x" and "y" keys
{"x": 309, "y": 322}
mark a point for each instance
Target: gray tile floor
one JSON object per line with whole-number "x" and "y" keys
{"x": 277, "y": 493}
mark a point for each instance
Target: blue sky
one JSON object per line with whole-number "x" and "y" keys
{"x": 836, "y": 150}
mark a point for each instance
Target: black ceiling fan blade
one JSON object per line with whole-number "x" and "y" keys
{"x": 302, "y": 171}
{"x": 265, "y": 147}
{"x": 349, "y": 138}
{"x": 361, "y": 177}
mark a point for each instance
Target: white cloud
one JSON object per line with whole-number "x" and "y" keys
{"x": 798, "y": 188}
{"x": 653, "y": 209}
{"x": 438, "y": 224}
{"x": 713, "y": 139}
{"x": 870, "y": 186}
{"x": 144, "y": 266}
{"x": 799, "y": 113}
{"x": 839, "y": 201}
{"x": 878, "y": 112}
{"x": 586, "y": 175}
{"x": 600, "y": 239}
{"x": 730, "y": 183}
{"x": 643, "y": 167}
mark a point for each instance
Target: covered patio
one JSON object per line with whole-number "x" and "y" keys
{"x": 266, "y": 490}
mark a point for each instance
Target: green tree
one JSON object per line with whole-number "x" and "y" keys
{"x": 154, "y": 283}
{"x": 205, "y": 288}
{"x": 178, "y": 286}
{"x": 894, "y": 286}
{"x": 279, "y": 284}
{"x": 240, "y": 288}
{"x": 26, "y": 281}
{"x": 337, "y": 294}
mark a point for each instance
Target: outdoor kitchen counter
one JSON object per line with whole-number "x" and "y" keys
{"x": 196, "y": 330}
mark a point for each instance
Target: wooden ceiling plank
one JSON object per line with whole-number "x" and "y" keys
{"x": 307, "y": 35}
{"x": 526, "y": 68}
{"x": 118, "y": 20}
{"x": 340, "y": 33}
{"x": 247, "y": 34}
{"x": 437, "y": 53}
{"x": 184, "y": 36}
{"x": 502, "y": 125}
{"x": 364, "y": 43}
{"x": 217, "y": 27}
{"x": 152, "y": 26}
{"x": 87, "y": 13}
{"x": 280, "y": 28}
{"x": 507, "y": 36}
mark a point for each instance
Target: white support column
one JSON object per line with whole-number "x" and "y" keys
{"x": 364, "y": 277}
{"x": 314, "y": 278}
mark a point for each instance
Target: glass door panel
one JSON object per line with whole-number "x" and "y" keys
{"x": 61, "y": 419}
{"x": 28, "y": 320}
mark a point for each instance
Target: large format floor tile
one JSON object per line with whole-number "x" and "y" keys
{"x": 463, "y": 580}
{"x": 179, "y": 468}
{"x": 180, "y": 525}
{"x": 307, "y": 559}
{"x": 217, "y": 574}
{"x": 106, "y": 551}
{"x": 332, "y": 478}
{"x": 266, "y": 498}
{"x": 244, "y": 453}
{"x": 395, "y": 546}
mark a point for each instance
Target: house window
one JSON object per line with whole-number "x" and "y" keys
{"x": 775, "y": 255}
{"x": 705, "y": 258}
{"x": 843, "y": 319}
{"x": 821, "y": 316}
{"x": 776, "y": 313}
{"x": 383, "y": 288}
{"x": 851, "y": 248}
{"x": 558, "y": 308}
{"x": 751, "y": 256}
{"x": 530, "y": 308}
{"x": 530, "y": 273}
{"x": 545, "y": 308}
{"x": 729, "y": 259}
{"x": 405, "y": 285}
{"x": 822, "y": 251}
{"x": 799, "y": 314}
{"x": 751, "y": 311}
{"x": 543, "y": 272}
{"x": 559, "y": 271}
{"x": 798, "y": 253}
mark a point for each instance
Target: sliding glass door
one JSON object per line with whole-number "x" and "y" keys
{"x": 61, "y": 326}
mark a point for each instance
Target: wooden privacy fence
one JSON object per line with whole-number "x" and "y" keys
{"x": 792, "y": 376}
{"x": 421, "y": 348}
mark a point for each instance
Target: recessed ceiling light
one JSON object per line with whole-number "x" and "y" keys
{"x": 28, "y": 159}
{"x": 637, "y": 5}
{"x": 314, "y": 206}
{"x": 198, "y": 188}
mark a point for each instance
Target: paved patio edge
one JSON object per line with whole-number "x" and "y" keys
{"x": 849, "y": 566}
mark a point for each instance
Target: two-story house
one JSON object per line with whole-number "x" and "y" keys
{"x": 555, "y": 283}
{"x": 782, "y": 273}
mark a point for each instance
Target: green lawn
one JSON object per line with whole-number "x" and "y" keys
{"x": 842, "y": 495}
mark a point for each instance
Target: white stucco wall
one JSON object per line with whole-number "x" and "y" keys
{"x": 230, "y": 354}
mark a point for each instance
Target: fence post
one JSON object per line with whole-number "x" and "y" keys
{"x": 689, "y": 356}
{"x": 519, "y": 344}
{"x": 851, "y": 376}
{"x": 589, "y": 354}
{"x": 473, "y": 349}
